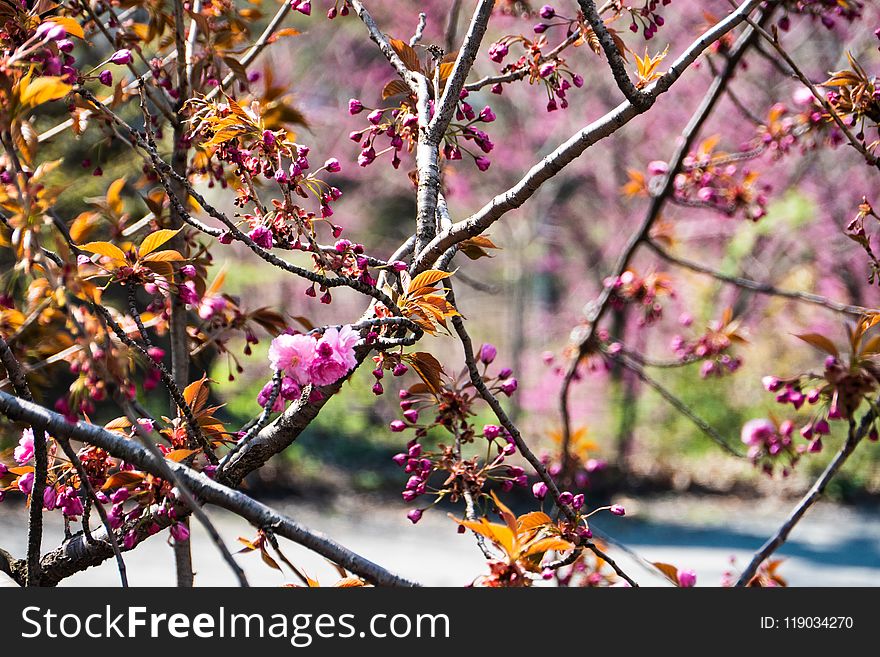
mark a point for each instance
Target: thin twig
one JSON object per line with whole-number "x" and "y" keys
{"x": 756, "y": 286}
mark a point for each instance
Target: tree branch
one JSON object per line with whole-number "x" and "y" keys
{"x": 755, "y": 286}
{"x": 201, "y": 486}
{"x": 854, "y": 436}
{"x": 567, "y": 152}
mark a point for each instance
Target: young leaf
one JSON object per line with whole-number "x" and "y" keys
{"x": 105, "y": 249}
{"x": 820, "y": 342}
{"x": 427, "y": 278}
{"x": 409, "y": 56}
{"x": 154, "y": 240}
{"x": 427, "y": 367}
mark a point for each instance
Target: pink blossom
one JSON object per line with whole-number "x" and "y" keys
{"x": 211, "y": 306}
{"x": 262, "y": 236}
{"x": 755, "y": 432}
{"x": 687, "y": 578}
{"x": 334, "y": 356}
{"x": 293, "y": 354}
{"x": 26, "y": 483}
{"x": 25, "y": 450}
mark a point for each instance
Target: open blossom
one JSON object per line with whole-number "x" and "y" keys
{"x": 294, "y": 355}
{"x": 210, "y": 306}
{"x": 334, "y": 356}
{"x": 25, "y": 450}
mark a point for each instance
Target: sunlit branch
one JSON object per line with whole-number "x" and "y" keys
{"x": 200, "y": 485}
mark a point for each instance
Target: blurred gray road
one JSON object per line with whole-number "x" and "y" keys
{"x": 833, "y": 546}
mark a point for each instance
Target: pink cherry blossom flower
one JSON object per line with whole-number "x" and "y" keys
{"x": 334, "y": 356}
{"x": 25, "y": 450}
{"x": 293, "y": 354}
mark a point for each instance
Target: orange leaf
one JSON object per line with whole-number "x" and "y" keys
{"x": 106, "y": 249}
{"x": 123, "y": 479}
{"x": 427, "y": 278}
{"x": 667, "y": 569}
{"x": 820, "y": 342}
{"x": 154, "y": 240}
{"x": 407, "y": 55}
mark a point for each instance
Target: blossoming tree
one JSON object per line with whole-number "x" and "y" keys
{"x": 119, "y": 305}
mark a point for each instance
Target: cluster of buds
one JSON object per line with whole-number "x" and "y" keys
{"x": 717, "y": 181}
{"x": 540, "y": 64}
{"x": 450, "y": 405}
{"x": 387, "y": 361}
{"x": 646, "y": 18}
{"x": 588, "y": 571}
{"x": 712, "y": 347}
{"x": 771, "y": 445}
{"x": 460, "y": 475}
{"x": 450, "y": 408}
{"x": 48, "y": 49}
{"x": 825, "y": 11}
{"x": 339, "y": 8}
{"x": 786, "y": 128}
{"x": 236, "y": 136}
{"x": 836, "y": 394}
{"x": 400, "y": 125}
{"x": 630, "y": 288}
{"x": 64, "y": 490}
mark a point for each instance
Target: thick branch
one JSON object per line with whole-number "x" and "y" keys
{"x": 201, "y": 486}
{"x": 566, "y": 153}
{"x": 616, "y": 62}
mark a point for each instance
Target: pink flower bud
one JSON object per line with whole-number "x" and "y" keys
{"x": 488, "y": 353}
{"x": 539, "y": 490}
{"x": 617, "y": 510}
{"x": 121, "y": 57}
{"x": 687, "y": 578}
{"x": 332, "y": 165}
{"x": 509, "y": 386}
{"x": 105, "y": 77}
{"x": 414, "y": 516}
{"x": 355, "y": 107}
{"x": 491, "y": 431}
{"x": 397, "y": 426}
{"x": 179, "y": 532}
